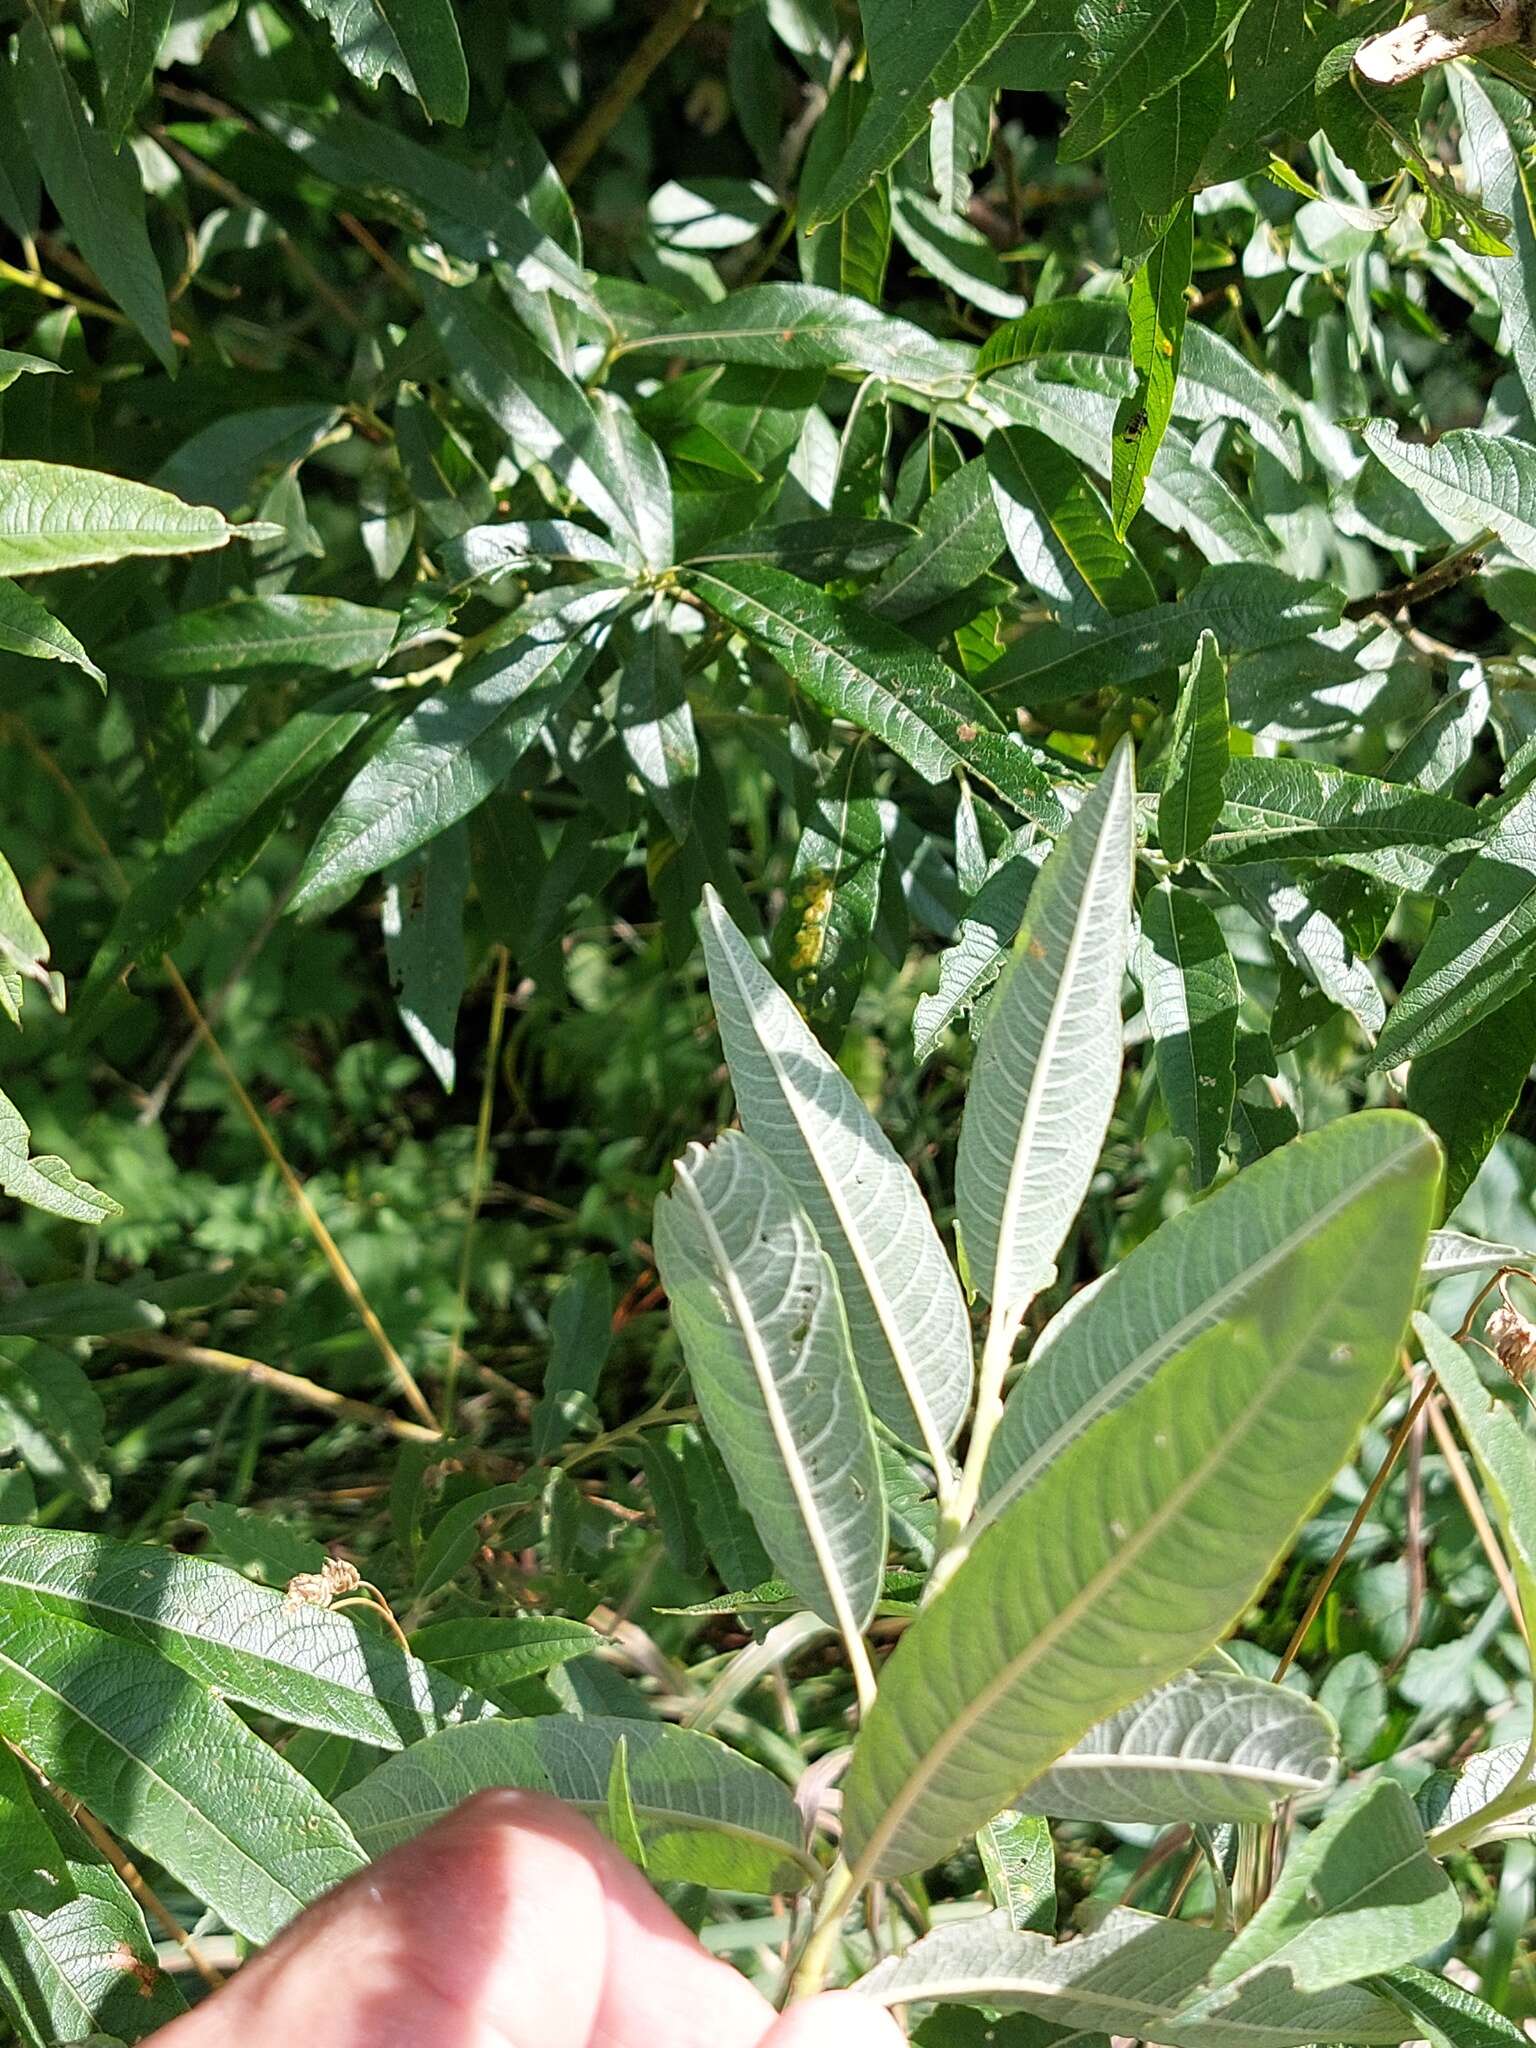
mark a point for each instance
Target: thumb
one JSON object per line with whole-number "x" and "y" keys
{"x": 837, "y": 2019}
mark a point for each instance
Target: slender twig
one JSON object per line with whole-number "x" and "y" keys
{"x": 34, "y": 281}
{"x": 1477, "y": 1514}
{"x": 1438, "y": 577}
{"x": 1356, "y": 1522}
{"x": 476, "y": 1185}
{"x": 652, "y": 51}
{"x": 289, "y": 1384}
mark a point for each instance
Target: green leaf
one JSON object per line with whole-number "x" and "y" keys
{"x": 1019, "y": 1862}
{"x": 1481, "y": 951}
{"x": 169, "y": 1767}
{"x": 655, "y": 722}
{"x": 1257, "y": 1252}
{"x": 1195, "y": 772}
{"x": 1048, "y": 1071}
{"x": 705, "y": 1815}
{"x": 1308, "y": 810}
{"x": 726, "y": 1527}
{"x": 1470, "y": 482}
{"x": 899, "y": 1591}
{"x": 1361, "y": 1894}
{"x": 56, "y": 517}
{"x": 1157, "y": 339}
{"x": 958, "y": 539}
{"x": 1135, "y": 53}
{"x": 802, "y": 327}
{"x": 97, "y": 192}
{"x": 296, "y": 634}
{"x": 906, "y": 1314}
{"x": 34, "y": 1874}
{"x": 1499, "y": 1448}
{"x": 1058, "y": 529}
{"x": 862, "y": 668}
{"x": 423, "y": 925}
{"x": 1142, "y": 1541}
{"x": 125, "y": 41}
{"x": 1453, "y": 1252}
{"x": 921, "y": 54}
{"x": 490, "y": 1651}
{"x": 16, "y": 363}
{"x": 756, "y": 1304}
{"x": 89, "y": 1962}
{"x": 1190, "y": 989}
{"x": 1445, "y": 2013}
{"x": 1468, "y": 1090}
{"x": 413, "y": 41}
{"x": 446, "y": 756}
{"x": 1305, "y": 935}
{"x": 821, "y": 941}
{"x": 1213, "y": 1746}
{"x": 580, "y": 1334}
{"x": 1133, "y": 1974}
{"x": 51, "y": 1416}
{"x": 969, "y": 967}
{"x": 314, "y": 1669}
{"x": 45, "y": 1182}
{"x": 1245, "y": 607}
{"x": 1495, "y": 124}
{"x": 850, "y": 254}
{"x": 30, "y": 629}
{"x": 507, "y": 375}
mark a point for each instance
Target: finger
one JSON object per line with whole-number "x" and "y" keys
{"x": 837, "y": 2019}
{"x": 511, "y": 1924}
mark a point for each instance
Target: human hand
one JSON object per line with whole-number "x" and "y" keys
{"x": 511, "y": 1924}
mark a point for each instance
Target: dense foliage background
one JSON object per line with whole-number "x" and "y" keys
{"x": 769, "y": 444}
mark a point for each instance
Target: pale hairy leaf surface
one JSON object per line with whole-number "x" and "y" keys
{"x": 1045, "y": 1079}
{"x": 1212, "y": 1745}
{"x": 906, "y": 1315}
{"x": 1310, "y": 810}
{"x": 1470, "y": 481}
{"x": 1137, "y": 1548}
{"x": 1019, "y": 1862}
{"x": 756, "y": 1303}
{"x": 1362, "y": 1893}
{"x": 169, "y": 1767}
{"x": 1284, "y": 1234}
{"x": 1135, "y": 1972}
{"x": 53, "y": 516}
{"x": 304, "y": 1666}
{"x": 1495, "y": 122}
{"x": 1453, "y": 1251}
{"x": 705, "y": 1815}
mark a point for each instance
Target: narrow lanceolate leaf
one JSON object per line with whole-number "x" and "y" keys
{"x": 1260, "y": 1251}
{"x": 304, "y": 1666}
{"x": 1196, "y": 770}
{"x": 1048, "y": 1071}
{"x": 44, "y": 1181}
{"x": 969, "y": 967}
{"x": 1471, "y": 482}
{"x": 958, "y": 539}
{"x": 98, "y": 192}
{"x": 1361, "y": 1894}
{"x": 655, "y": 721}
{"x": 28, "y": 628}
{"x": 1495, "y": 123}
{"x": 1058, "y": 528}
{"x": 580, "y": 1334}
{"x": 1468, "y": 1090}
{"x": 87, "y": 1964}
{"x": 756, "y": 1303}
{"x": 447, "y": 755}
{"x": 56, "y": 517}
{"x": 1019, "y": 1863}
{"x": 296, "y": 634}
{"x": 1189, "y": 985}
{"x": 1307, "y": 810}
{"x": 851, "y": 254}
{"x": 919, "y": 55}
{"x": 1134, "y": 1971}
{"x": 1453, "y": 1797}
{"x": 125, "y": 38}
{"x": 1212, "y": 1746}
{"x": 1481, "y": 950}
{"x": 169, "y": 1768}
{"x": 1301, "y": 928}
{"x": 1135, "y": 53}
{"x": 413, "y": 41}
{"x": 705, "y": 1815}
{"x": 1157, "y": 338}
{"x": 423, "y": 924}
{"x": 862, "y": 668}
{"x": 1446, "y": 2013}
{"x": 831, "y": 903}
{"x": 1452, "y": 1252}
{"x": 906, "y": 1314}
{"x": 1499, "y": 1446}
{"x": 1136, "y": 1549}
